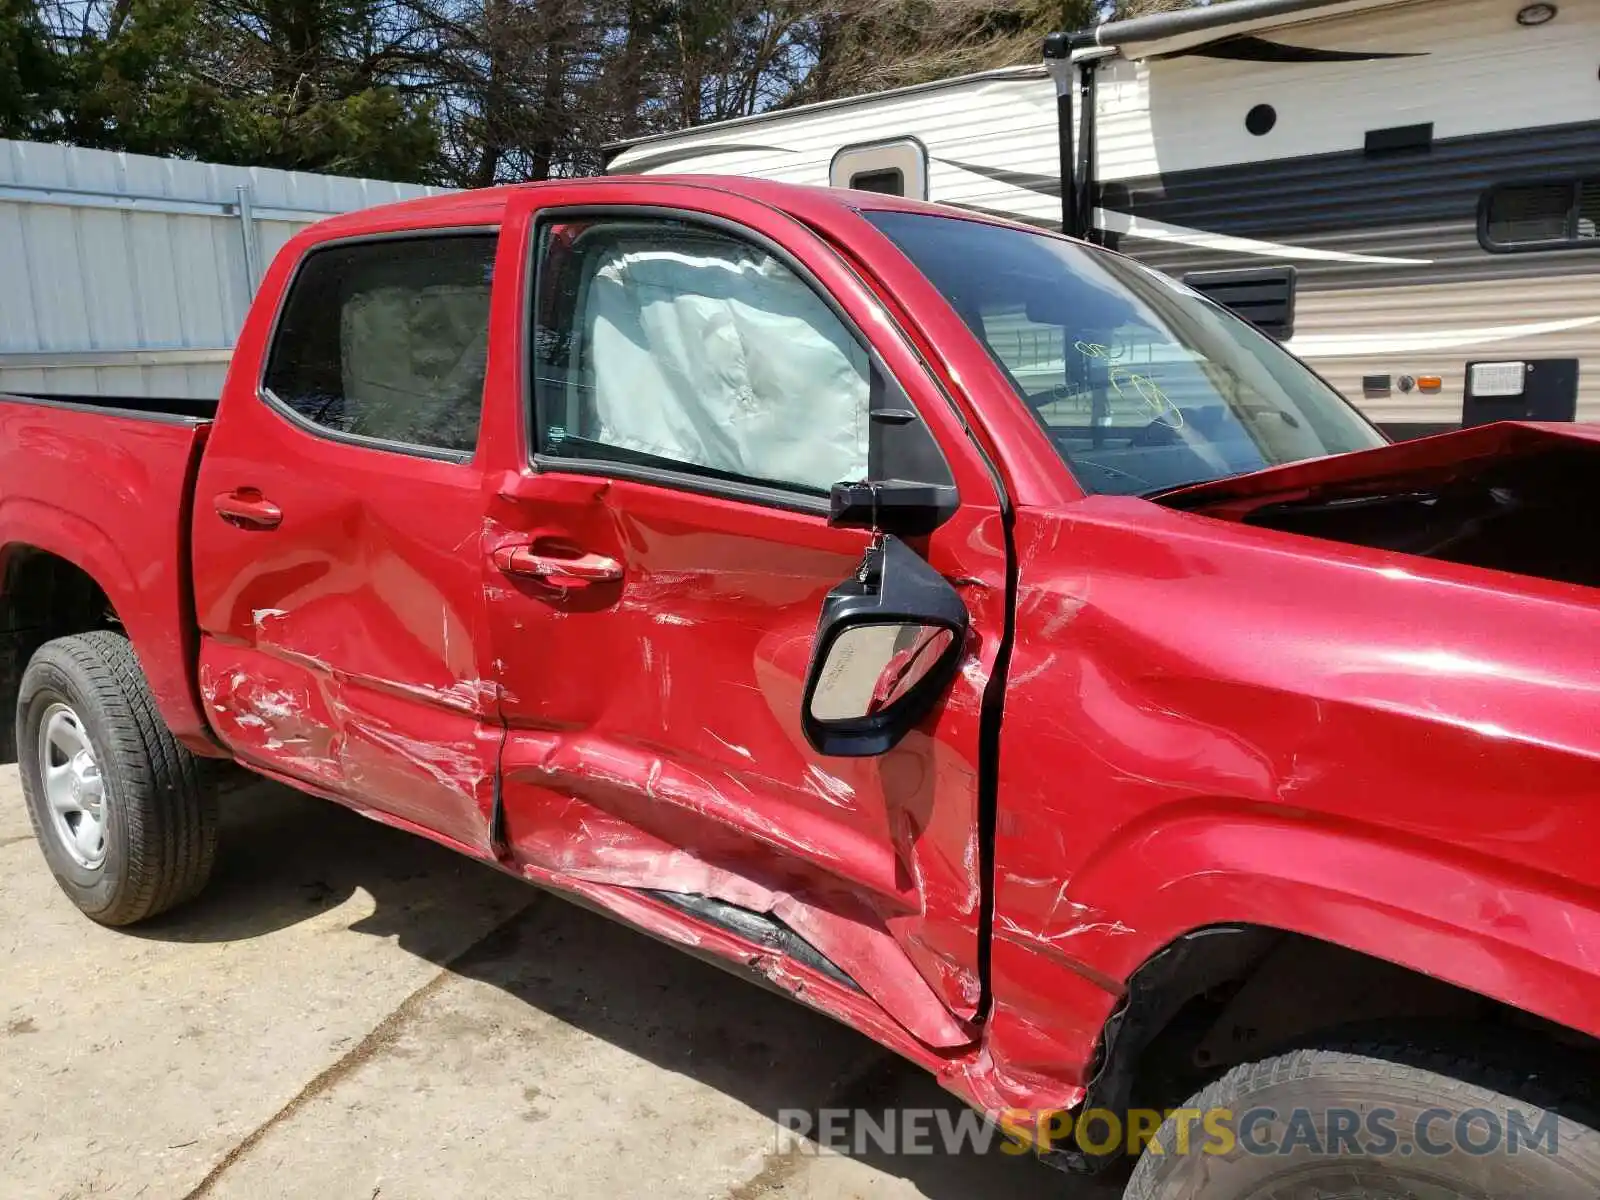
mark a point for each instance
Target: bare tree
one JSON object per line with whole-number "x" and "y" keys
{"x": 866, "y": 45}
{"x": 474, "y": 92}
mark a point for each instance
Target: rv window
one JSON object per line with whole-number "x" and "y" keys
{"x": 888, "y": 183}
{"x": 896, "y": 167}
{"x": 1541, "y": 216}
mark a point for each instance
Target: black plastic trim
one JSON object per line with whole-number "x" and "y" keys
{"x": 361, "y": 441}
{"x": 106, "y": 406}
{"x": 760, "y": 929}
{"x": 1187, "y": 967}
{"x": 685, "y": 481}
{"x": 894, "y": 586}
{"x": 892, "y": 506}
{"x": 736, "y": 967}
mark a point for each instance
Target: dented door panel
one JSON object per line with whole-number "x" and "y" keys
{"x": 338, "y": 572}
{"x": 654, "y": 739}
{"x": 347, "y": 647}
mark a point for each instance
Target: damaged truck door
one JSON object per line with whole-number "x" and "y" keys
{"x": 342, "y": 640}
{"x": 701, "y": 373}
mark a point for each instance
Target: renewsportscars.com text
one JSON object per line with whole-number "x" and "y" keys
{"x": 1337, "y": 1132}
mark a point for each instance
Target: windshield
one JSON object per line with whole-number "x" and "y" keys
{"x": 1141, "y": 383}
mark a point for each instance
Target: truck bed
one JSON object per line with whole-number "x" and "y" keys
{"x": 105, "y": 484}
{"x": 133, "y": 406}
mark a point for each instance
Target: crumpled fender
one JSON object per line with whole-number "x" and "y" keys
{"x": 1208, "y": 723}
{"x": 1493, "y": 928}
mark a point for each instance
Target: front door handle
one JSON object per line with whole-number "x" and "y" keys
{"x": 580, "y": 570}
{"x": 247, "y": 508}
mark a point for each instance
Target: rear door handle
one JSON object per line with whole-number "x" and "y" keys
{"x": 247, "y": 508}
{"x": 556, "y": 571}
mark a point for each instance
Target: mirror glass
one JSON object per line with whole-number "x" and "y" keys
{"x": 869, "y": 668}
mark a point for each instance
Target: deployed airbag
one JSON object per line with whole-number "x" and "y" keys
{"x": 714, "y": 353}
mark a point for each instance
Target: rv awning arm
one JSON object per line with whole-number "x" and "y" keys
{"x": 1072, "y": 60}
{"x": 1194, "y": 26}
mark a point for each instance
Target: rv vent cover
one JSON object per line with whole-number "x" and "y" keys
{"x": 1264, "y": 296}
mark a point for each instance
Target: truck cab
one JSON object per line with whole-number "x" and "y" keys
{"x": 967, "y": 631}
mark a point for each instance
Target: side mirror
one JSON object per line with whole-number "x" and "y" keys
{"x": 888, "y": 642}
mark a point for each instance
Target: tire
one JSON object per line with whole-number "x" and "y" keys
{"x": 1403, "y": 1077}
{"x": 144, "y": 834}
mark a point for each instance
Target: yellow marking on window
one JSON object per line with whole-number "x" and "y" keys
{"x": 1149, "y": 391}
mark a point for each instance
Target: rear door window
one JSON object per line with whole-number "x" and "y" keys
{"x": 387, "y": 341}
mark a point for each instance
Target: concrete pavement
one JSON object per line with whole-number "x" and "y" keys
{"x": 353, "y": 1012}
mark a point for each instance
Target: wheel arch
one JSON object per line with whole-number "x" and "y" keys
{"x": 47, "y": 554}
{"x": 1222, "y": 996}
{"x": 1490, "y": 927}
{"x": 44, "y": 594}
{"x": 1228, "y": 919}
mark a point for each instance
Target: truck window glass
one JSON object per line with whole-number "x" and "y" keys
{"x": 1141, "y": 383}
{"x": 388, "y": 340}
{"x": 664, "y": 344}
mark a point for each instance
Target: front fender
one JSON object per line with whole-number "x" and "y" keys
{"x": 1213, "y": 724}
{"x": 1503, "y": 931}
{"x": 1496, "y": 929}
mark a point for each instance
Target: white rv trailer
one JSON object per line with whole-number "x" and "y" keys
{"x": 1429, "y": 169}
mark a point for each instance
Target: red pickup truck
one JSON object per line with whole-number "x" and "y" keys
{"x": 966, "y": 630}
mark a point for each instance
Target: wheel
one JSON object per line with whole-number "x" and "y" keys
{"x": 118, "y": 806}
{"x": 1382, "y": 1120}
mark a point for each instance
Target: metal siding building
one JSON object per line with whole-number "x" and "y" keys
{"x": 122, "y": 274}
